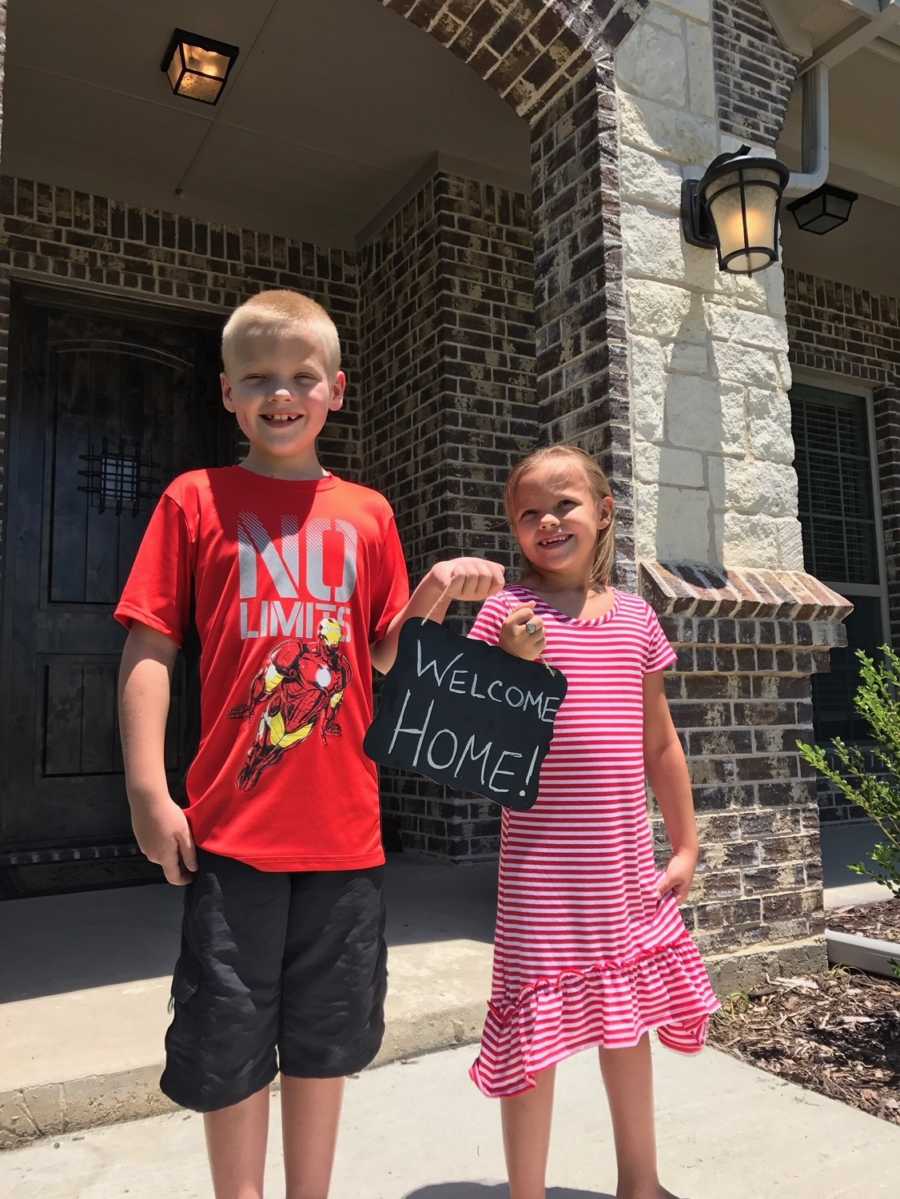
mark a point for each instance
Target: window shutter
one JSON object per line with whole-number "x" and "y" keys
{"x": 831, "y": 438}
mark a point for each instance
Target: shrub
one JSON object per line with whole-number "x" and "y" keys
{"x": 878, "y": 701}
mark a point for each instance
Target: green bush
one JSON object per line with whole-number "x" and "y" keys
{"x": 878, "y": 794}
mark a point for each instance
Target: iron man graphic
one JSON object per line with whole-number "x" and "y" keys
{"x": 301, "y": 685}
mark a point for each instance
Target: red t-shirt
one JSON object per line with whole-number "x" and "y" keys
{"x": 291, "y": 582}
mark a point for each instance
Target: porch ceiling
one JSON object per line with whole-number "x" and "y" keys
{"x": 865, "y": 150}
{"x": 332, "y": 106}
{"x": 864, "y": 253}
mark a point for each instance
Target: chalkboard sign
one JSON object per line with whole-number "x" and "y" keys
{"x": 466, "y": 714}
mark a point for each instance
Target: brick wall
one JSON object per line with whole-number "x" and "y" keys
{"x": 56, "y": 235}
{"x": 842, "y": 329}
{"x": 448, "y": 346}
{"x": 471, "y": 283}
{"x": 748, "y": 642}
{"x": 582, "y": 359}
{"x": 528, "y": 51}
{"x": 754, "y": 72}
{"x": 855, "y": 335}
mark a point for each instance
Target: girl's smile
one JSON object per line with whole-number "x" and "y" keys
{"x": 557, "y": 520}
{"x": 553, "y": 542}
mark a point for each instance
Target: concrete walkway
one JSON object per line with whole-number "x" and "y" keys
{"x": 85, "y": 979}
{"x": 843, "y": 843}
{"x": 421, "y": 1131}
{"x": 84, "y": 988}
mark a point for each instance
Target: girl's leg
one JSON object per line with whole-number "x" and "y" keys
{"x": 310, "y": 1110}
{"x": 526, "y": 1137}
{"x": 236, "y": 1143}
{"x": 628, "y": 1076}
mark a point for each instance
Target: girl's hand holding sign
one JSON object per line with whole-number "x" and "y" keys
{"x": 522, "y": 634}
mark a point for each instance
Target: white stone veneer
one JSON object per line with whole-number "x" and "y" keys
{"x": 713, "y": 454}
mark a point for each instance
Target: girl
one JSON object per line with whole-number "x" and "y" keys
{"x": 590, "y": 946}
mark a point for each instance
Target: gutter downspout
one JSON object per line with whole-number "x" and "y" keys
{"x": 816, "y": 138}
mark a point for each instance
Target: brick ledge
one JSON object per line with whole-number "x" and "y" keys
{"x": 673, "y": 588}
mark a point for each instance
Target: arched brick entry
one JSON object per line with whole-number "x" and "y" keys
{"x": 552, "y": 62}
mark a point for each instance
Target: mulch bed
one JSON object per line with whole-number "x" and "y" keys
{"x": 837, "y": 1033}
{"x": 879, "y": 920}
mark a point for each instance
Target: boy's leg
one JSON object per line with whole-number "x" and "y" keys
{"x": 236, "y": 1143}
{"x": 526, "y": 1136}
{"x": 221, "y": 1045}
{"x": 310, "y": 1111}
{"x": 332, "y": 1012}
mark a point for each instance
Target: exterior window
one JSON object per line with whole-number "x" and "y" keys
{"x": 840, "y": 538}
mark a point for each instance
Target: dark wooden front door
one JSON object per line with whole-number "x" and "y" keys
{"x": 107, "y": 406}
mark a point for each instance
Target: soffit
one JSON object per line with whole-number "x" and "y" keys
{"x": 331, "y": 107}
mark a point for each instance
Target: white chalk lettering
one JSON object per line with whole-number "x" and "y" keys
{"x": 458, "y": 682}
{"x": 468, "y": 751}
{"x": 490, "y": 691}
{"x": 434, "y": 740}
{"x": 474, "y": 691}
{"x": 411, "y": 732}
{"x": 433, "y": 667}
{"x": 498, "y": 769}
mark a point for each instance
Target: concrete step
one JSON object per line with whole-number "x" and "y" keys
{"x": 85, "y": 987}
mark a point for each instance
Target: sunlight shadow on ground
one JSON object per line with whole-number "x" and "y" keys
{"x": 480, "y": 1190}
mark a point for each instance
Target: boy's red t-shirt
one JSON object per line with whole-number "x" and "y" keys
{"x": 289, "y": 583}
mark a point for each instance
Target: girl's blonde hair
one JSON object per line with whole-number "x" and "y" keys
{"x": 604, "y": 556}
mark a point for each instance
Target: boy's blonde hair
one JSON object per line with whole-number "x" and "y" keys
{"x": 276, "y": 312}
{"x": 605, "y": 554}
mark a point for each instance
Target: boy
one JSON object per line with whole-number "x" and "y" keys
{"x": 296, "y": 582}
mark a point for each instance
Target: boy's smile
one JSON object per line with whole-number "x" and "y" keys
{"x": 280, "y": 389}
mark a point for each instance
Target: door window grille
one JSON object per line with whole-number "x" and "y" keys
{"x": 119, "y": 481}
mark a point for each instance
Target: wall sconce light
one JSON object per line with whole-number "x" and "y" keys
{"x": 824, "y": 209}
{"x": 197, "y": 67}
{"x": 734, "y": 209}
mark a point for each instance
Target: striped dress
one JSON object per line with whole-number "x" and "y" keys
{"x": 585, "y": 954}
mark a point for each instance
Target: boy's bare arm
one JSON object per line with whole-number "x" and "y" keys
{"x": 469, "y": 579}
{"x": 160, "y": 826}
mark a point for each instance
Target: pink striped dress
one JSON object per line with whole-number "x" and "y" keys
{"x": 584, "y": 953}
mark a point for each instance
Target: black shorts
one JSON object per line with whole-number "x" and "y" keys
{"x": 277, "y": 971}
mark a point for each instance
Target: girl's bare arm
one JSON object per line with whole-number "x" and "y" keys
{"x": 160, "y": 826}
{"x": 668, "y": 775}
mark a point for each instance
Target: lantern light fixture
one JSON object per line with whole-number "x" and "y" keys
{"x": 734, "y": 210}
{"x": 198, "y": 67}
{"x": 827, "y": 208}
